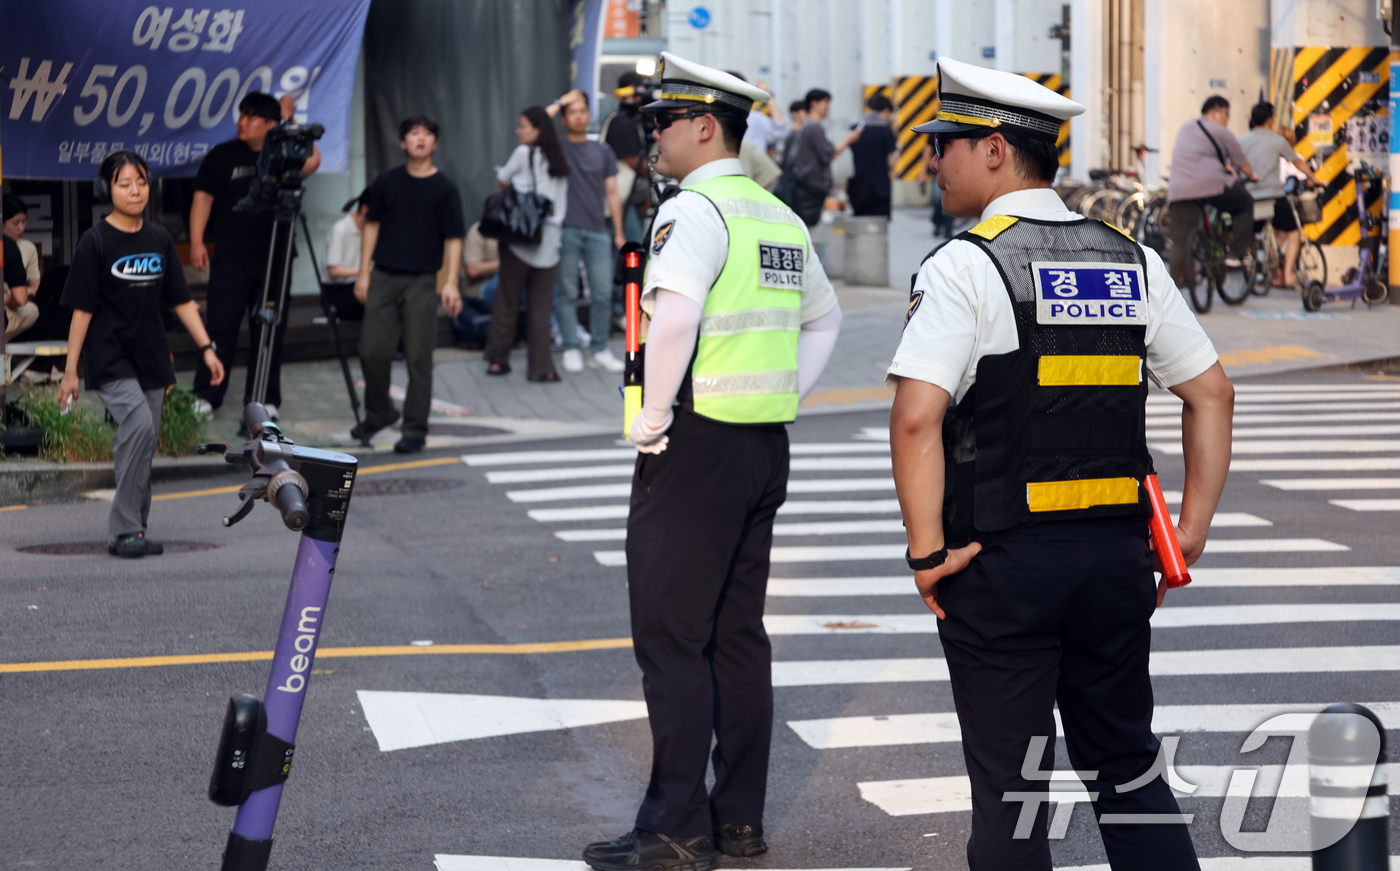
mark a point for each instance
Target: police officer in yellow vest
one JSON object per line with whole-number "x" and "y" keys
{"x": 743, "y": 320}
{"x": 1018, "y": 440}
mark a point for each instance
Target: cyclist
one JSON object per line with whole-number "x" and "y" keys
{"x": 1265, "y": 147}
{"x": 1206, "y": 161}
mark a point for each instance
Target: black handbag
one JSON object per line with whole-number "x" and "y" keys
{"x": 804, "y": 199}
{"x": 514, "y": 217}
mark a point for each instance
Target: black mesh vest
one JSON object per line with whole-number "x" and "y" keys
{"x": 1054, "y": 430}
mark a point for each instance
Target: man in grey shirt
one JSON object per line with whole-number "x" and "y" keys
{"x": 1205, "y": 161}
{"x": 812, "y": 164}
{"x": 1265, "y": 147}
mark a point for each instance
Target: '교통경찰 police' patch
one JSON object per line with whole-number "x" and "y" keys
{"x": 663, "y": 233}
{"x": 780, "y": 267}
{"x": 1089, "y": 294}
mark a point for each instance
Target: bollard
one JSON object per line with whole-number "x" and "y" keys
{"x": 829, "y": 240}
{"x": 1349, "y": 805}
{"x": 868, "y": 251}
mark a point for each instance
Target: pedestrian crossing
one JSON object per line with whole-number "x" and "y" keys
{"x": 1321, "y": 597}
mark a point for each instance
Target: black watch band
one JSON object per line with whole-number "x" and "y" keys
{"x": 932, "y": 561}
{"x": 208, "y": 347}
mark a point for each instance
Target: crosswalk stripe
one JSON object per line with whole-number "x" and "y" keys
{"x": 604, "y": 491}
{"x": 504, "y": 458}
{"x": 870, "y": 527}
{"x": 1292, "y": 431}
{"x": 936, "y": 728}
{"x": 1367, "y": 504}
{"x": 1313, "y": 388}
{"x": 1241, "y": 863}
{"x": 1318, "y": 464}
{"x": 1333, "y": 483}
{"x": 933, "y": 795}
{"x": 801, "y": 464}
{"x": 1175, "y": 420}
{"x": 530, "y": 476}
{"x": 1163, "y": 618}
{"x": 1297, "y": 446}
{"x": 1327, "y": 406}
{"x": 1169, "y": 663}
{"x": 842, "y": 553}
{"x": 832, "y": 506}
{"x": 1340, "y": 395}
{"x": 903, "y": 585}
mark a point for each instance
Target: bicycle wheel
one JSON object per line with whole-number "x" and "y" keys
{"x": 1077, "y": 196}
{"x": 1312, "y": 262}
{"x": 1375, "y": 291}
{"x": 1235, "y": 285}
{"x": 1200, "y": 289}
{"x": 1152, "y": 226}
{"x": 1102, "y": 206}
{"x": 1266, "y": 260}
{"x": 1129, "y": 211}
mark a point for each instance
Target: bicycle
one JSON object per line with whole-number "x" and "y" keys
{"x": 1209, "y": 244}
{"x": 1311, "y": 264}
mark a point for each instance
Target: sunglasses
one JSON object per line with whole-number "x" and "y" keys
{"x": 662, "y": 120}
{"x": 940, "y": 140}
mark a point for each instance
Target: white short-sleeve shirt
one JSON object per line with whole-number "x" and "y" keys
{"x": 965, "y": 313}
{"x": 690, "y": 244}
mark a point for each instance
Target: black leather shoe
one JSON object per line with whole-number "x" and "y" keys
{"x": 741, "y": 841}
{"x": 135, "y": 545}
{"x": 409, "y": 445}
{"x": 640, "y": 850}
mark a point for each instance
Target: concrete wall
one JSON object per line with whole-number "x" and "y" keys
{"x": 1333, "y": 23}
{"x": 1191, "y": 47}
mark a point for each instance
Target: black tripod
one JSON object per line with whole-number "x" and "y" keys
{"x": 270, "y": 313}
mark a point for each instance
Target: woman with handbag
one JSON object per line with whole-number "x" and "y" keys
{"x": 538, "y": 176}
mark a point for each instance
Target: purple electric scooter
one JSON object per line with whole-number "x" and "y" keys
{"x": 1362, "y": 283}
{"x": 312, "y": 490}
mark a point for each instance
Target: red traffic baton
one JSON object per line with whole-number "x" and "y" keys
{"x": 1164, "y": 537}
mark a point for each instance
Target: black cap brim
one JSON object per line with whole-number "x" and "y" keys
{"x": 663, "y": 105}
{"x": 937, "y": 126}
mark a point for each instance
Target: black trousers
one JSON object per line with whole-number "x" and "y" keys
{"x": 698, "y": 539}
{"x": 235, "y": 293}
{"x": 1058, "y": 613}
{"x": 1185, "y": 217}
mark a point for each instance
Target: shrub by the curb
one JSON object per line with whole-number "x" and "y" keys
{"x": 81, "y": 437}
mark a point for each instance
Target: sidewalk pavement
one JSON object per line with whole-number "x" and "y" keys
{"x": 1266, "y": 335}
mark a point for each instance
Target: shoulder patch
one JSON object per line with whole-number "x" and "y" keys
{"x": 915, "y": 297}
{"x": 1125, "y": 233}
{"x": 663, "y": 235}
{"x": 993, "y": 226}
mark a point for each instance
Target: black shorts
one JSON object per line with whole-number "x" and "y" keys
{"x": 1284, "y": 220}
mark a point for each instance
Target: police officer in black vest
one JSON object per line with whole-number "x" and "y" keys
{"x": 1019, "y": 447}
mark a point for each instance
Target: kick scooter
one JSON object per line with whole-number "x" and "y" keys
{"x": 1364, "y": 283}
{"x": 311, "y": 488}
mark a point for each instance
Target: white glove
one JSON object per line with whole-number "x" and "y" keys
{"x": 651, "y": 438}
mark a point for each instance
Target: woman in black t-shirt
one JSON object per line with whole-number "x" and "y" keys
{"x": 124, "y": 272}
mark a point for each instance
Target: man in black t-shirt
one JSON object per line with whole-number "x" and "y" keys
{"x": 414, "y": 227}
{"x": 874, "y": 155}
{"x": 242, "y": 241}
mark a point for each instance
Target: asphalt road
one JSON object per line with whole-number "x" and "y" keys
{"x": 108, "y": 767}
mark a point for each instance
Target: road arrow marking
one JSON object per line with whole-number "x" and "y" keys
{"x": 403, "y": 720}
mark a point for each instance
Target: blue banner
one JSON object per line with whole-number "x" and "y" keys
{"x": 585, "y": 46}
{"x": 88, "y": 78}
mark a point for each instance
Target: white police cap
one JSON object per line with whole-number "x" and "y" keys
{"x": 976, "y": 98}
{"x": 684, "y": 84}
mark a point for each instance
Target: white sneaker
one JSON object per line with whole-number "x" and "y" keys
{"x": 203, "y": 409}
{"x": 584, "y": 337}
{"x": 573, "y": 360}
{"x": 620, "y": 322}
{"x": 605, "y": 360}
{"x": 272, "y": 413}
{"x": 556, "y": 338}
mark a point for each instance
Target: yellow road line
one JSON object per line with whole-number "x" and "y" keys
{"x": 322, "y": 653}
{"x": 371, "y": 470}
{"x": 13, "y": 507}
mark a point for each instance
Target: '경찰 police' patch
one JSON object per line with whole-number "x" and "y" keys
{"x": 780, "y": 267}
{"x": 663, "y": 233}
{"x": 1089, "y": 294}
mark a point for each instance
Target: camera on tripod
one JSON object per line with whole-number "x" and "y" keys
{"x": 285, "y": 150}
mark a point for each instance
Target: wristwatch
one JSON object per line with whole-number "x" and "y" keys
{"x": 932, "y": 561}
{"x": 208, "y": 347}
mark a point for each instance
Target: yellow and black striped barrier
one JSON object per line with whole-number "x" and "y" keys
{"x": 868, "y": 91}
{"x": 916, "y": 101}
{"x": 1330, "y": 86}
{"x": 1056, "y": 83}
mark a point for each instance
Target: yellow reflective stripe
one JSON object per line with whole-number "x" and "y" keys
{"x": 773, "y": 381}
{"x": 1074, "y": 495}
{"x": 1095, "y": 371}
{"x": 992, "y": 227}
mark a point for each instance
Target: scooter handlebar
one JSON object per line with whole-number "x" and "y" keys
{"x": 287, "y": 490}
{"x": 254, "y": 416}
